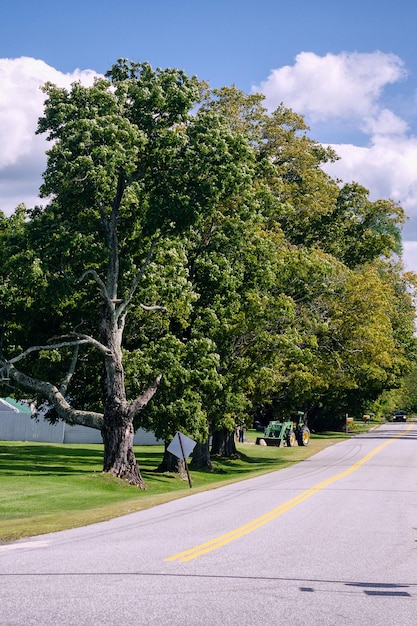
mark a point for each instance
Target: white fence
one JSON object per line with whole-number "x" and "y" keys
{"x": 17, "y": 424}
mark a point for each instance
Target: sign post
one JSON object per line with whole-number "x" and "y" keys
{"x": 181, "y": 446}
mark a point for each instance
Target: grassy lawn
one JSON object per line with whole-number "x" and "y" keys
{"x": 50, "y": 487}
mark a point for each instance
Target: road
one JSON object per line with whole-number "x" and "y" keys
{"x": 329, "y": 541}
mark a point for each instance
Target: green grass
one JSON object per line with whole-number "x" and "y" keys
{"x": 50, "y": 487}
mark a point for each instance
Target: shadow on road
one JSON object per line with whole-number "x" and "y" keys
{"x": 305, "y": 585}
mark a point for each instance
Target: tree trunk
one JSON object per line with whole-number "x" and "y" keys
{"x": 119, "y": 457}
{"x": 224, "y": 443}
{"x": 171, "y": 463}
{"x": 201, "y": 456}
{"x": 117, "y": 430}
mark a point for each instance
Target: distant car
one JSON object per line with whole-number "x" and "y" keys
{"x": 399, "y": 416}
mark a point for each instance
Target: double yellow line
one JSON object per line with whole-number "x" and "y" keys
{"x": 218, "y": 542}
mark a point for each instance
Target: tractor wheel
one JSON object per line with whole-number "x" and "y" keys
{"x": 303, "y": 436}
{"x": 291, "y": 439}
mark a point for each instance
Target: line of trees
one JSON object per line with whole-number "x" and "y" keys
{"x": 194, "y": 266}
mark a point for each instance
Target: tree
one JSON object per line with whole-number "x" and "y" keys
{"x": 357, "y": 230}
{"x": 355, "y": 340}
{"x": 128, "y": 164}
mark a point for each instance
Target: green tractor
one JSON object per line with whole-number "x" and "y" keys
{"x": 286, "y": 433}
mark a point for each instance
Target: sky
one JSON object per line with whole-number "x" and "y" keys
{"x": 350, "y": 68}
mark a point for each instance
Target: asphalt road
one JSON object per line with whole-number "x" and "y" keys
{"x": 330, "y": 541}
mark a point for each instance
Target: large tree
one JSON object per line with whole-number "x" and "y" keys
{"x": 129, "y": 163}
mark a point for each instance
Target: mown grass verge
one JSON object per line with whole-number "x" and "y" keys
{"x": 50, "y": 487}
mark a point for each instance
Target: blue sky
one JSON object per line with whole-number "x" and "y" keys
{"x": 349, "y": 67}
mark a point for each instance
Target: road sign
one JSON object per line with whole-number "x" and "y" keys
{"x": 182, "y": 446}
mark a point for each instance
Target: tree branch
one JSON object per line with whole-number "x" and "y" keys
{"x": 121, "y": 186}
{"x": 122, "y": 308}
{"x": 98, "y": 280}
{"x": 137, "y": 405}
{"x": 55, "y": 397}
{"x": 75, "y": 338}
{"x": 54, "y": 346}
{"x": 153, "y": 307}
{"x": 63, "y": 388}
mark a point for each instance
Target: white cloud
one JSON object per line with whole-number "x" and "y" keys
{"x": 385, "y": 122}
{"x": 410, "y": 255}
{"x": 22, "y": 153}
{"x": 349, "y": 88}
{"x": 387, "y": 167}
{"x": 345, "y": 85}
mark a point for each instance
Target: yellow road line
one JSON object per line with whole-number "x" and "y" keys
{"x": 218, "y": 542}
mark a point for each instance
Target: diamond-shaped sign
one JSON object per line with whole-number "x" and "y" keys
{"x": 181, "y": 446}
